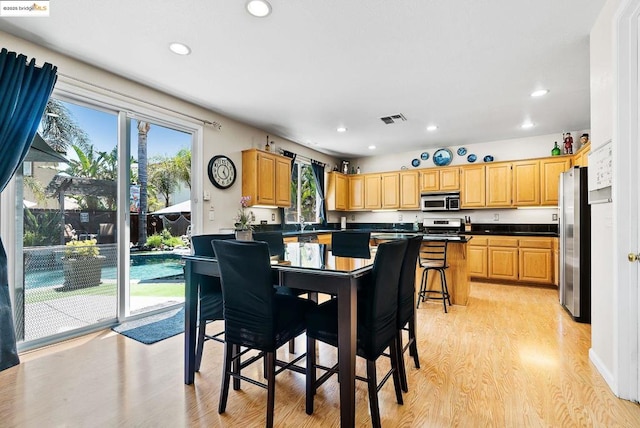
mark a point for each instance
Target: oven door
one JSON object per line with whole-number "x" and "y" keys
{"x": 433, "y": 203}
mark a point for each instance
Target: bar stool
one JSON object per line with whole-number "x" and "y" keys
{"x": 433, "y": 256}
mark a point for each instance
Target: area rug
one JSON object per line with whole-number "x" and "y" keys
{"x": 153, "y": 328}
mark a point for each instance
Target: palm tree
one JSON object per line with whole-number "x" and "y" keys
{"x": 164, "y": 177}
{"x": 143, "y": 130}
{"x": 59, "y": 129}
{"x": 182, "y": 161}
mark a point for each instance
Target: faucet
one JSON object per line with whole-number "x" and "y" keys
{"x": 302, "y": 223}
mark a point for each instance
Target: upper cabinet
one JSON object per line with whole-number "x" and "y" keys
{"x": 473, "y": 187}
{"x": 526, "y": 183}
{"x": 498, "y": 176}
{"x": 356, "y": 192}
{"x": 337, "y": 192}
{"x": 372, "y": 196}
{"x": 266, "y": 178}
{"x": 440, "y": 179}
{"x": 390, "y": 190}
{"x": 409, "y": 193}
{"x": 550, "y": 170}
{"x": 581, "y": 157}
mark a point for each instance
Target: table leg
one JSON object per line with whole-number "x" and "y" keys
{"x": 347, "y": 331}
{"x": 191, "y": 281}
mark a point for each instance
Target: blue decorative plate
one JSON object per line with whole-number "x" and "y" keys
{"x": 424, "y": 156}
{"x": 462, "y": 151}
{"x": 488, "y": 158}
{"x": 415, "y": 163}
{"x": 442, "y": 157}
{"x": 472, "y": 158}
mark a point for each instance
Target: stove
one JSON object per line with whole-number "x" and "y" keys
{"x": 443, "y": 226}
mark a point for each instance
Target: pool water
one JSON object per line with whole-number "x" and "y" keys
{"x": 144, "y": 267}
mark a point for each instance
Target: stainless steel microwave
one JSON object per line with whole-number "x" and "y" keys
{"x": 440, "y": 201}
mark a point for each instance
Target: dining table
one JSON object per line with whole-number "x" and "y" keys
{"x": 305, "y": 266}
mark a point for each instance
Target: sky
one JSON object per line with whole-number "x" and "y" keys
{"x": 101, "y": 127}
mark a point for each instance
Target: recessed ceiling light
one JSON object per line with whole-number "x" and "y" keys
{"x": 539, "y": 92}
{"x": 180, "y": 48}
{"x": 527, "y": 125}
{"x": 259, "y": 8}
{"x": 372, "y": 147}
{"x": 431, "y": 128}
{"x": 341, "y": 129}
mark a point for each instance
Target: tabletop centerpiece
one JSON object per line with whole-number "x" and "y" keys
{"x": 244, "y": 221}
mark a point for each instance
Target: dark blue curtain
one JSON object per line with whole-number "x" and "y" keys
{"x": 24, "y": 92}
{"x": 287, "y": 153}
{"x": 318, "y": 173}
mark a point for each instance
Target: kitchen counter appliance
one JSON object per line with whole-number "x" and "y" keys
{"x": 575, "y": 244}
{"x": 443, "y": 226}
{"x": 440, "y": 201}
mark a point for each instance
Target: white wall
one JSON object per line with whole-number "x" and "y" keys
{"x": 231, "y": 139}
{"x": 603, "y": 343}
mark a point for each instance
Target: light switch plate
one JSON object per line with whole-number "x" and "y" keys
{"x": 554, "y": 217}
{"x": 273, "y": 216}
{"x": 212, "y": 215}
{"x": 206, "y": 196}
{"x": 496, "y": 217}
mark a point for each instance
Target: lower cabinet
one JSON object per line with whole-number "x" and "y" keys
{"x": 507, "y": 258}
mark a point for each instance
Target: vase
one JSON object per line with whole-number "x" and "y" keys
{"x": 82, "y": 272}
{"x": 244, "y": 235}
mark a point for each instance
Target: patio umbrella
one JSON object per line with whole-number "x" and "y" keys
{"x": 40, "y": 151}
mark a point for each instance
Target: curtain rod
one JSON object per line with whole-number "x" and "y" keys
{"x": 305, "y": 158}
{"x": 215, "y": 124}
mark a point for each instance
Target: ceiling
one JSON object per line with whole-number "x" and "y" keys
{"x": 467, "y": 66}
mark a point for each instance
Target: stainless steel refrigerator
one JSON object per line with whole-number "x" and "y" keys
{"x": 575, "y": 244}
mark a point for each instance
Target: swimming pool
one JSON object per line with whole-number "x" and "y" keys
{"x": 144, "y": 267}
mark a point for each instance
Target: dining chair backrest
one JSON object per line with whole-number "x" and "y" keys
{"x": 201, "y": 244}
{"x": 433, "y": 254}
{"x": 275, "y": 241}
{"x": 406, "y": 288}
{"x": 378, "y": 301}
{"x": 245, "y": 273}
{"x": 351, "y": 244}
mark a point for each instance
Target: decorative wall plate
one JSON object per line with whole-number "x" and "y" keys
{"x": 415, "y": 163}
{"x": 442, "y": 157}
{"x": 462, "y": 151}
{"x": 472, "y": 158}
{"x": 424, "y": 156}
{"x": 488, "y": 158}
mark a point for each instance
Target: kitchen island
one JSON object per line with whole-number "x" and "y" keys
{"x": 458, "y": 276}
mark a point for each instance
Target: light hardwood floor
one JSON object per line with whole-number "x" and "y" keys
{"x": 511, "y": 358}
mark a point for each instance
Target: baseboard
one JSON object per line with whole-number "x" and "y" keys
{"x": 602, "y": 369}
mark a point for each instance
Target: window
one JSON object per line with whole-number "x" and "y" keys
{"x": 305, "y": 200}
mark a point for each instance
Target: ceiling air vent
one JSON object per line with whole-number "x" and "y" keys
{"x": 393, "y": 119}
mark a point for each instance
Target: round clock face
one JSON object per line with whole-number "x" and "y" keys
{"x": 222, "y": 172}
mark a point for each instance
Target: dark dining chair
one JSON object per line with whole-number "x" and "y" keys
{"x": 376, "y": 327}
{"x": 256, "y": 317}
{"x": 406, "y": 320}
{"x": 275, "y": 240}
{"x": 347, "y": 243}
{"x": 210, "y": 298}
{"x": 433, "y": 256}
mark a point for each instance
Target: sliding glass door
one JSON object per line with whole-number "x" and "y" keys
{"x": 87, "y": 251}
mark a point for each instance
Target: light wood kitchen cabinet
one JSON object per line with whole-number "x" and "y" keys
{"x": 555, "y": 243}
{"x": 526, "y": 183}
{"x": 498, "y": 177}
{"x": 478, "y": 257}
{"x": 509, "y": 258}
{"x": 356, "y": 192}
{"x": 337, "y": 192}
{"x": 372, "y": 194}
{"x": 266, "y": 178}
{"x": 409, "y": 192}
{"x": 440, "y": 179}
{"x": 390, "y": 190}
{"x": 581, "y": 157}
{"x": 473, "y": 187}
{"x": 550, "y": 170}
{"x": 324, "y": 238}
{"x": 503, "y": 258}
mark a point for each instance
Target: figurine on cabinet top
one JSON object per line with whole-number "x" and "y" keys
{"x": 584, "y": 140}
{"x": 568, "y": 143}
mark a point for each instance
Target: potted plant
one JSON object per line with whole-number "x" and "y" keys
{"x": 82, "y": 264}
{"x": 244, "y": 221}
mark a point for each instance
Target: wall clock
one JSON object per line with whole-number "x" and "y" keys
{"x": 222, "y": 172}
